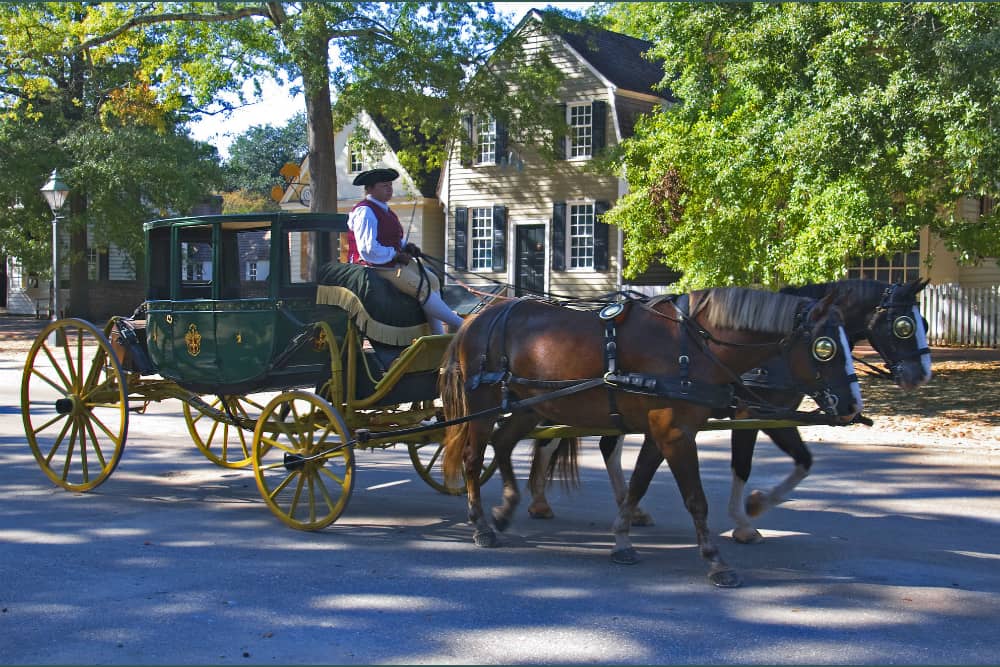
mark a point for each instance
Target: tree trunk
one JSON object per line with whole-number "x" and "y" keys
{"x": 319, "y": 119}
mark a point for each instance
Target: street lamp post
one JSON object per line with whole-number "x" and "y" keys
{"x": 55, "y": 192}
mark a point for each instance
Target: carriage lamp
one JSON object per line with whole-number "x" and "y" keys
{"x": 824, "y": 349}
{"x": 55, "y": 192}
{"x": 904, "y": 327}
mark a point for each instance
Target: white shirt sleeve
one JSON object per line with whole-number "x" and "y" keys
{"x": 363, "y": 223}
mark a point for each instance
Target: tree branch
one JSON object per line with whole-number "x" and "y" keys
{"x": 149, "y": 19}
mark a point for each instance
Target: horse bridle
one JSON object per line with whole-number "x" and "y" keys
{"x": 902, "y": 327}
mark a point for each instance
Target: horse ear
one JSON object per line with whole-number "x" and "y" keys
{"x": 823, "y": 305}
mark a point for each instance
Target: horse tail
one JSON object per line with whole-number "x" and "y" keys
{"x": 562, "y": 464}
{"x": 451, "y": 385}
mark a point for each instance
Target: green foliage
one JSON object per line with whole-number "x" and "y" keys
{"x": 256, "y": 156}
{"x": 808, "y": 133}
{"x": 244, "y": 201}
{"x": 104, "y": 114}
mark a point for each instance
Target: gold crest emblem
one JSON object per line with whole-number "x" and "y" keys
{"x": 193, "y": 340}
{"x": 319, "y": 342}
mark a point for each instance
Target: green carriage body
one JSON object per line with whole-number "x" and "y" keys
{"x": 226, "y": 295}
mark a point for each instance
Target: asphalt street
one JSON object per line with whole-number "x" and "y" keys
{"x": 885, "y": 555}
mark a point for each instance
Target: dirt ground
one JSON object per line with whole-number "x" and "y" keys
{"x": 960, "y": 406}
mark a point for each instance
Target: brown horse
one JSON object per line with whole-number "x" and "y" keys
{"x": 662, "y": 369}
{"x": 885, "y": 314}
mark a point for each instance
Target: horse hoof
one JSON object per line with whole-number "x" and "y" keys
{"x": 541, "y": 513}
{"x": 625, "y": 556}
{"x": 756, "y": 504}
{"x": 747, "y": 536}
{"x": 640, "y": 518}
{"x": 501, "y": 523}
{"x": 486, "y": 539}
{"x": 725, "y": 578}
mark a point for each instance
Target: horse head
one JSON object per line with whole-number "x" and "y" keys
{"x": 819, "y": 357}
{"x": 898, "y": 332}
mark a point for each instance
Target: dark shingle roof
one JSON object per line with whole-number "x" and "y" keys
{"x": 618, "y": 57}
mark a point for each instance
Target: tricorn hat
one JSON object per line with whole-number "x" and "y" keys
{"x": 373, "y": 176}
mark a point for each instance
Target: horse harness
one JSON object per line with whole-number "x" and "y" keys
{"x": 679, "y": 387}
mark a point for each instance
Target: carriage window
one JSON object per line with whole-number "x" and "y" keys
{"x": 581, "y": 236}
{"x": 900, "y": 267}
{"x": 197, "y": 256}
{"x": 303, "y": 249}
{"x": 254, "y": 266}
{"x": 482, "y": 239}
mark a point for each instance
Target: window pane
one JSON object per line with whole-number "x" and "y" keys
{"x": 482, "y": 239}
{"x": 581, "y": 131}
{"x": 302, "y": 253}
{"x": 900, "y": 267}
{"x": 581, "y": 236}
{"x": 486, "y": 140}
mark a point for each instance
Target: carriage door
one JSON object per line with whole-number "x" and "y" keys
{"x": 529, "y": 275}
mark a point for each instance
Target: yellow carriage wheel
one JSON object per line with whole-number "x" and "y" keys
{"x": 426, "y": 458}
{"x": 74, "y": 403}
{"x": 222, "y": 443}
{"x": 302, "y": 461}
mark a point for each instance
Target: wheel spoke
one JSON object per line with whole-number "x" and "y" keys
{"x": 66, "y": 382}
{"x": 292, "y": 474}
{"x": 340, "y": 481}
{"x": 330, "y": 502}
{"x": 97, "y": 443}
{"x": 69, "y": 452}
{"x": 295, "y": 496}
{"x": 58, "y": 441}
{"x": 101, "y": 424}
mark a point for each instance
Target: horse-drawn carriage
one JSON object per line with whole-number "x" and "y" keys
{"x": 289, "y": 360}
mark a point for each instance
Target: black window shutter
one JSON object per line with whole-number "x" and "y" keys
{"x": 461, "y": 238}
{"x": 599, "y": 121}
{"x": 559, "y": 236}
{"x": 466, "y": 148}
{"x": 560, "y": 138}
{"x": 499, "y": 238}
{"x": 501, "y": 142}
{"x": 601, "y": 234}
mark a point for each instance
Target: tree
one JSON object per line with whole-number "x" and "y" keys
{"x": 94, "y": 115}
{"x": 808, "y": 133}
{"x": 257, "y": 155}
{"x": 408, "y": 61}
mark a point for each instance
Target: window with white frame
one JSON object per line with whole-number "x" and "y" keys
{"x": 900, "y": 267}
{"x": 581, "y": 130}
{"x": 92, "y": 263}
{"x": 481, "y": 238}
{"x": 356, "y": 160}
{"x": 251, "y": 270}
{"x": 15, "y": 274}
{"x": 581, "y": 236}
{"x": 486, "y": 140}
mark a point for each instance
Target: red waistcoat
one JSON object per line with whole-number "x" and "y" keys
{"x": 390, "y": 231}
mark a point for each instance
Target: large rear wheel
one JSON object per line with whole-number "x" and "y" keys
{"x": 302, "y": 460}
{"x": 74, "y": 404}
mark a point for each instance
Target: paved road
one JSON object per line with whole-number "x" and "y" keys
{"x": 886, "y": 555}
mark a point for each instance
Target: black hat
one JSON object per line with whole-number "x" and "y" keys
{"x": 373, "y": 176}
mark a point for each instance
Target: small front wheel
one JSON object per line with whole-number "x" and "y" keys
{"x": 223, "y": 443}
{"x": 303, "y": 460}
{"x": 425, "y": 457}
{"x": 74, "y": 403}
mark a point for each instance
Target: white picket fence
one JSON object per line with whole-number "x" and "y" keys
{"x": 957, "y": 315}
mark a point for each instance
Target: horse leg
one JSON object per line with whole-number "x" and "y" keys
{"x": 790, "y": 442}
{"x": 680, "y": 450}
{"x": 473, "y": 453}
{"x": 611, "y": 451}
{"x": 742, "y": 442}
{"x": 646, "y": 463}
{"x": 539, "y": 507}
{"x": 503, "y": 440}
